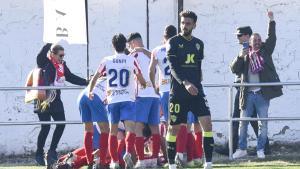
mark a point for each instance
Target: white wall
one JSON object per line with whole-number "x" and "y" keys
{"x": 21, "y": 32}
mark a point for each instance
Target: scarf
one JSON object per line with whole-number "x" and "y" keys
{"x": 256, "y": 61}
{"x": 60, "y": 72}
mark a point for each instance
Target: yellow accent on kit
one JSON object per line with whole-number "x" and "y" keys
{"x": 208, "y": 134}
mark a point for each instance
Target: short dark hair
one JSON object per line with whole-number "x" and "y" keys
{"x": 119, "y": 42}
{"x": 170, "y": 31}
{"x": 243, "y": 30}
{"x": 56, "y": 48}
{"x": 188, "y": 14}
{"x": 126, "y": 51}
{"x": 134, "y": 35}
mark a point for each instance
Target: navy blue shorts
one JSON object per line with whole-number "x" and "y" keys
{"x": 147, "y": 109}
{"x": 121, "y": 111}
{"x": 92, "y": 110}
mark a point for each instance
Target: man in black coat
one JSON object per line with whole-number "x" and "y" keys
{"x": 54, "y": 73}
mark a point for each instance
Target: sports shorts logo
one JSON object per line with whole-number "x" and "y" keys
{"x": 173, "y": 118}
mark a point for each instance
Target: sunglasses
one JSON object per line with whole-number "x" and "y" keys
{"x": 240, "y": 35}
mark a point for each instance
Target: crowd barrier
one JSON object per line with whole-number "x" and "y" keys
{"x": 230, "y": 119}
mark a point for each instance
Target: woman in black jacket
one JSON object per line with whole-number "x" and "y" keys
{"x": 55, "y": 73}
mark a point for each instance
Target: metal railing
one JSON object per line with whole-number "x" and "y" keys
{"x": 230, "y": 119}
{"x": 230, "y": 108}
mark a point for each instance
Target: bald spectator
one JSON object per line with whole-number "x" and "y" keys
{"x": 255, "y": 65}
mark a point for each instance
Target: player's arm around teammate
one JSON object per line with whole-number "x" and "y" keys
{"x": 147, "y": 104}
{"x": 152, "y": 70}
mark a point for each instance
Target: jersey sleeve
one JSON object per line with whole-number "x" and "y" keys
{"x": 174, "y": 61}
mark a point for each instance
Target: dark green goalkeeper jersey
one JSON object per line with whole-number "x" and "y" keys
{"x": 185, "y": 57}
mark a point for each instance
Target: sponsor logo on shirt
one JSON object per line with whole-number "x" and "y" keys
{"x": 165, "y": 81}
{"x": 117, "y": 92}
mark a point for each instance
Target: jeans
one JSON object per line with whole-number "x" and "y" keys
{"x": 236, "y": 114}
{"x": 255, "y": 102}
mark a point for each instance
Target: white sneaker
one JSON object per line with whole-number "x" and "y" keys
{"x": 152, "y": 163}
{"x": 198, "y": 162}
{"x": 261, "y": 154}
{"x": 184, "y": 157}
{"x": 140, "y": 164}
{"x": 114, "y": 165}
{"x": 179, "y": 161}
{"x": 128, "y": 161}
{"x": 172, "y": 166}
{"x": 190, "y": 164}
{"x": 71, "y": 157}
{"x": 96, "y": 164}
{"x": 239, "y": 154}
{"x": 208, "y": 165}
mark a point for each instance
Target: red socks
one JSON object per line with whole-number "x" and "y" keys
{"x": 103, "y": 150}
{"x": 139, "y": 147}
{"x": 129, "y": 140}
{"x": 121, "y": 148}
{"x": 79, "y": 162}
{"x": 155, "y": 145}
{"x": 113, "y": 144}
{"x": 198, "y": 151}
{"x": 181, "y": 139}
{"x": 190, "y": 146}
{"x": 88, "y": 146}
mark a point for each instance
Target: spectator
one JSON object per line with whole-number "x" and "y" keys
{"x": 55, "y": 73}
{"x": 243, "y": 36}
{"x": 255, "y": 65}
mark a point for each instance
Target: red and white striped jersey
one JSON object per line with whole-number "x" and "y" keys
{"x": 144, "y": 62}
{"x": 119, "y": 70}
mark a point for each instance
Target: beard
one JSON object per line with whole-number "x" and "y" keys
{"x": 187, "y": 32}
{"x": 257, "y": 46}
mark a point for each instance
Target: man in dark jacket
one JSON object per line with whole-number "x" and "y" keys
{"x": 55, "y": 73}
{"x": 243, "y": 35}
{"x": 255, "y": 65}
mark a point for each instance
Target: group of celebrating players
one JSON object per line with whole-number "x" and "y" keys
{"x": 124, "y": 99}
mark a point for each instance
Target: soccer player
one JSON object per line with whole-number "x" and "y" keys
{"x": 94, "y": 111}
{"x": 120, "y": 90}
{"x": 78, "y": 158}
{"x": 159, "y": 58}
{"x": 194, "y": 148}
{"x": 147, "y": 104}
{"x": 185, "y": 53}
